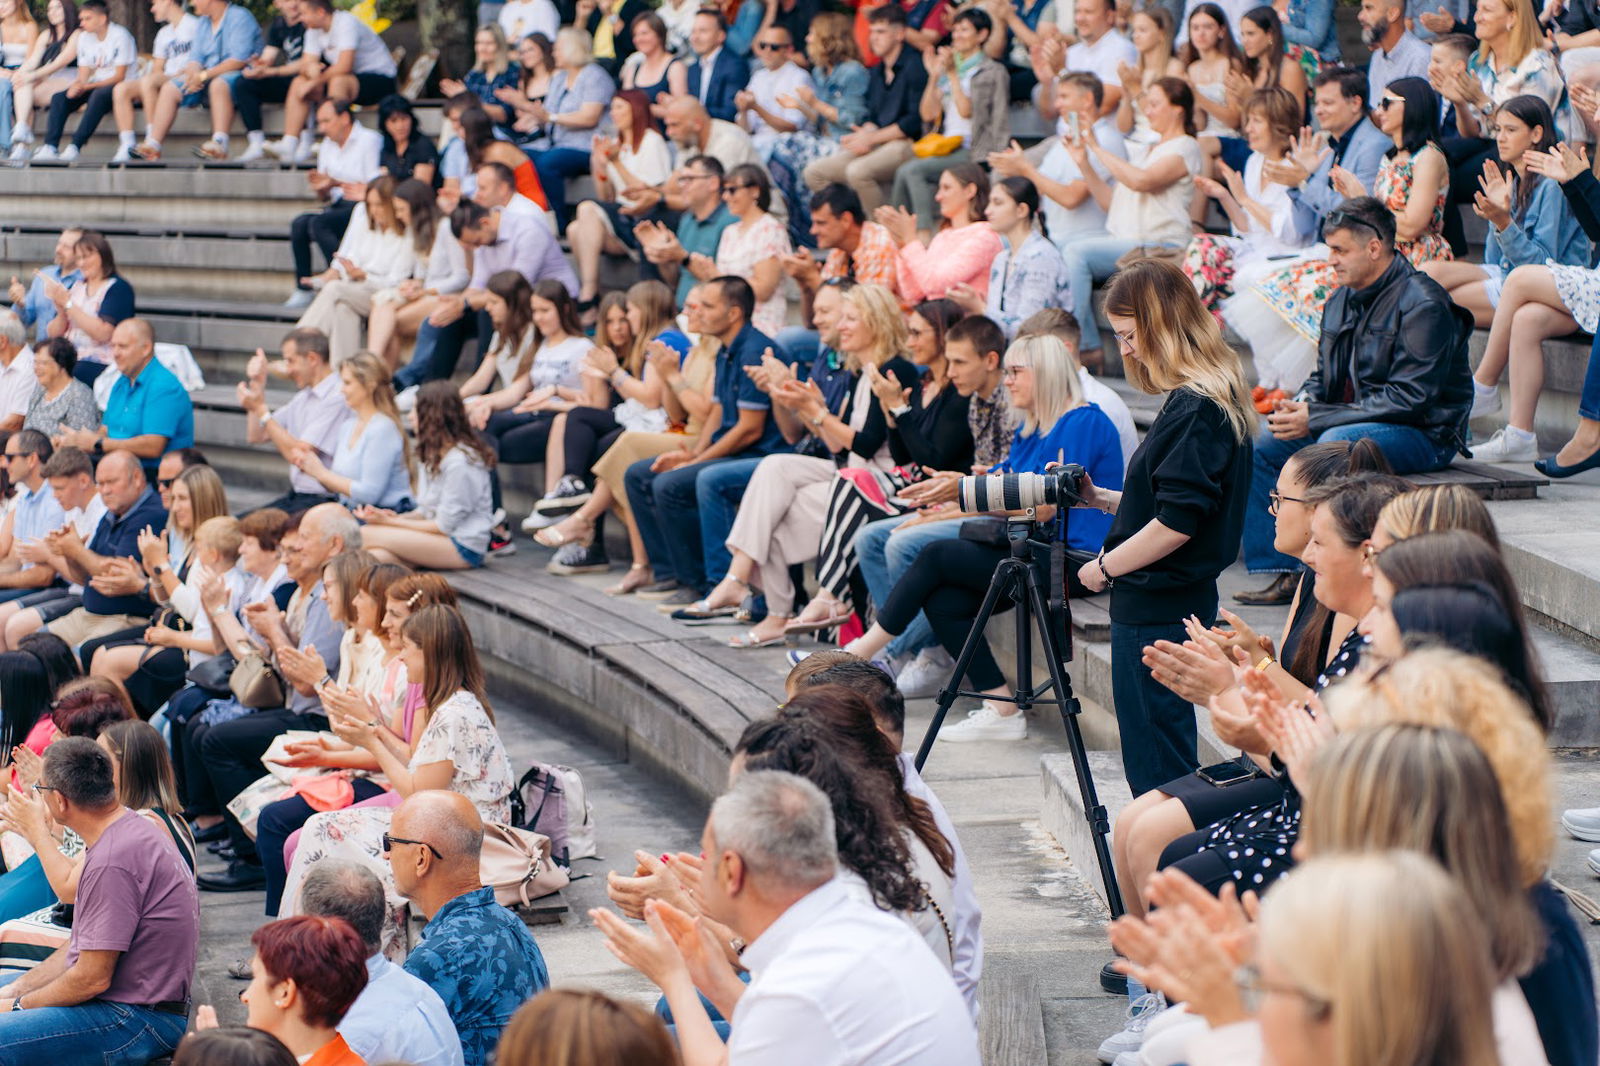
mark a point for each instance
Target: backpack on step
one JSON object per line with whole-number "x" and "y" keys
{"x": 551, "y": 799}
{"x": 516, "y": 864}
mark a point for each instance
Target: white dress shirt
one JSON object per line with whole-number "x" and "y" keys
{"x": 17, "y": 384}
{"x": 356, "y": 160}
{"x": 967, "y": 920}
{"x": 399, "y": 1018}
{"x": 837, "y": 982}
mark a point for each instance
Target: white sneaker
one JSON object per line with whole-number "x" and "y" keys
{"x": 536, "y": 521}
{"x": 45, "y": 154}
{"x": 926, "y": 674}
{"x": 406, "y": 401}
{"x": 1484, "y": 402}
{"x": 69, "y": 154}
{"x": 252, "y": 153}
{"x": 19, "y": 151}
{"x": 1507, "y": 446}
{"x": 1131, "y": 1039}
{"x": 299, "y": 298}
{"x": 305, "y": 151}
{"x": 280, "y": 151}
{"x": 124, "y": 155}
{"x": 1594, "y": 861}
{"x": 1128, "y": 1058}
{"x": 1582, "y": 822}
{"x": 987, "y": 723}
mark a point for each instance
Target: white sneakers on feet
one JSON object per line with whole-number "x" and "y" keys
{"x": 69, "y": 154}
{"x": 252, "y": 153}
{"x": 1131, "y": 1039}
{"x": 1508, "y": 445}
{"x": 1583, "y": 823}
{"x": 124, "y": 155}
{"x": 926, "y": 674}
{"x": 46, "y": 153}
{"x": 987, "y": 723}
{"x": 19, "y": 151}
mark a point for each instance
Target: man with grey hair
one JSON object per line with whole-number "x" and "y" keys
{"x": 303, "y": 643}
{"x": 16, "y": 372}
{"x": 836, "y": 981}
{"x": 397, "y": 1017}
{"x": 477, "y": 955}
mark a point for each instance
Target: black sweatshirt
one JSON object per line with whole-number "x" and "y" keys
{"x": 1193, "y": 475}
{"x": 934, "y": 436}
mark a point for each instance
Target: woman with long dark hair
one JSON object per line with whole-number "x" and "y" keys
{"x": 1028, "y": 275}
{"x": 449, "y": 530}
{"x": 1180, "y": 514}
{"x": 476, "y": 130}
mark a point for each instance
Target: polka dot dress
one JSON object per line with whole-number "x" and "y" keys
{"x": 1256, "y": 845}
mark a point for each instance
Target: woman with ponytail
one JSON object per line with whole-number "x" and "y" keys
{"x": 1028, "y": 275}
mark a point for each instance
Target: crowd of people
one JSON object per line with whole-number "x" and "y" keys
{"x": 848, "y": 289}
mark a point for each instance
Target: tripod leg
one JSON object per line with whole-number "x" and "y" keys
{"x": 1095, "y": 812}
{"x": 1005, "y": 576}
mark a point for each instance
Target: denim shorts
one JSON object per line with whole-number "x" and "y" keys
{"x": 470, "y": 557}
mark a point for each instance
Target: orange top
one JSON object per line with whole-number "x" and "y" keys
{"x": 335, "y": 1053}
{"x": 527, "y": 179}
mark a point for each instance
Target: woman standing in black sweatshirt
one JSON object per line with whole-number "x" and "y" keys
{"x": 1180, "y": 513}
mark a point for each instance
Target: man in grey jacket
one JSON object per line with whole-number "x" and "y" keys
{"x": 1354, "y": 143}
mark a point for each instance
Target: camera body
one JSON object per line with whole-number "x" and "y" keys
{"x": 1059, "y": 486}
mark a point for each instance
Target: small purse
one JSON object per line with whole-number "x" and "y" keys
{"x": 213, "y": 674}
{"x": 932, "y": 145}
{"x": 255, "y": 683}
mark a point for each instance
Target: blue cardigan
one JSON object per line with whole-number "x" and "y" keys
{"x": 375, "y": 464}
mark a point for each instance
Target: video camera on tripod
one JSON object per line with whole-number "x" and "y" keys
{"x": 1034, "y": 577}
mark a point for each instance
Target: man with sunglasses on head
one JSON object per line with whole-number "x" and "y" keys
{"x": 1391, "y": 367}
{"x": 476, "y": 954}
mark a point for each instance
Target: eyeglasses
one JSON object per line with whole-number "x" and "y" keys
{"x": 1389, "y": 101}
{"x": 389, "y": 842}
{"x": 1125, "y": 340}
{"x": 1276, "y": 499}
{"x": 42, "y": 787}
{"x": 1347, "y": 220}
{"x": 1009, "y": 371}
{"x": 15, "y": 455}
{"x": 1252, "y": 989}
{"x": 165, "y": 482}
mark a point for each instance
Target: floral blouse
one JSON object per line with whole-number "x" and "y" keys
{"x": 460, "y": 733}
{"x": 742, "y": 247}
{"x": 1537, "y": 75}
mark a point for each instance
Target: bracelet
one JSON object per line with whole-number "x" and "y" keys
{"x": 817, "y": 422}
{"x": 1101, "y": 561}
{"x": 1266, "y": 661}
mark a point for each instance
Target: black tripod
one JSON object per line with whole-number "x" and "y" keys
{"x": 1019, "y": 577}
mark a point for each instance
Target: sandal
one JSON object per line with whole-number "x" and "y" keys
{"x": 553, "y": 537}
{"x": 815, "y": 625}
{"x": 750, "y": 640}
{"x": 702, "y": 611}
{"x": 637, "y": 577}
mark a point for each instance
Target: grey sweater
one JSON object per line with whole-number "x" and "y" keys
{"x": 458, "y": 499}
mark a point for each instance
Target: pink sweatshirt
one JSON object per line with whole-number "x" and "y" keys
{"x": 956, "y": 256}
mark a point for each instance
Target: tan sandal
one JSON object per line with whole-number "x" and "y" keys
{"x": 552, "y": 537}
{"x": 637, "y": 577}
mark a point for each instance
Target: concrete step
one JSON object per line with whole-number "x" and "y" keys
{"x": 247, "y": 198}
{"x": 240, "y": 267}
{"x": 1549, "y": 546}
{"x": 1061, "y": 808}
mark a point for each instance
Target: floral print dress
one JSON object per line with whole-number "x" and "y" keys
{"x": 1299, "y": 292}
{"x": 460, "y": 733}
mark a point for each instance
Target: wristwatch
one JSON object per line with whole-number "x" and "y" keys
{"x": 817, "y": 422}
{"x": 16, "y": 1004}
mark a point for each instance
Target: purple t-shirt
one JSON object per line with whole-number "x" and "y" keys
{"x": 137, "y": 896}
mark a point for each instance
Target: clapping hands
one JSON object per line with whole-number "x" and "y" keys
{"x": 1492, "y": 201}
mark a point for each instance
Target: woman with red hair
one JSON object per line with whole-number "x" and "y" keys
{"x": 305, "y": 974}
{"x": 636, "y": 157}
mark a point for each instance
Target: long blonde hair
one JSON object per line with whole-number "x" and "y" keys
{"x": 1056, "y": 388}
{"x": 1377, "y": 946}
{"x": 654, "y": 301}
{"x": 1433, "y": 508}
{"x": 1430, "y": 789}
{"x": 372, "y": 373}
{"x": 1524, "y": 35}
{"x": 208, "y": 498}
{"x": 1447, "y": 688}
{"x": 1180, "y": 343}
{"x": 880, "y": 313}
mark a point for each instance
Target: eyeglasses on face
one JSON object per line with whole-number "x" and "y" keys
{"x": 1253, "y": 989}
{"x": 389, "y": 842}
{"x": 1011, "y": 370}
{"x": 42, "y": 787}
{"x": 1125, "y": 340}
{"x": 1276, "y": 499}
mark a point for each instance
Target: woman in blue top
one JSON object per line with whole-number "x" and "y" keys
{"x": 948, "y": 580}
{"x": 373, "y": 463}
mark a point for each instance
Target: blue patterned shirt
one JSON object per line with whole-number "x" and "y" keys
{"x": 484, "y": 964}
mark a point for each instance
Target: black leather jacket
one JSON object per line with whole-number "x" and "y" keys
{"x": 1396, "y": 352}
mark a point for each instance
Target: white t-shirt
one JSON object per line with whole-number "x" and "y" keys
{"x": 558, "y": 364}
{"x": 1158, "y": 217}
{"x": 522, "y": 17}
{"x": 104, "y": 56}
{"x": 84, "y": 521}
{"x": 768, "y": 85}
{"x": 1088, "y": 218}
{"x": 354, "y": 160}
{"x": 174, "y": 43}
{"x": 348, "y": 33}
{"x": 1101, "y": 59}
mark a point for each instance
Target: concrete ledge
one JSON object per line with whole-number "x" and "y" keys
{"x": 1061, "y": 808}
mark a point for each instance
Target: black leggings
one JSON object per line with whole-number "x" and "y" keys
{"x": 516, "y": 438}
{"x": 590, "y": 431}
{"x": 947, "y": 583}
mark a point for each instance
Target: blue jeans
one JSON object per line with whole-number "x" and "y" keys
{"x": 438, "y": 349}
{"x": 1588, "y": 399}
{"x": 884, "y": 559}
{"x": 1157, "y": 725}
{"x": 1408, "y": 449}
{"x": 98, "y": 1031}
{"x": 6, "y": 111}
{"x": 673, "y": 508}
{"x": 555, "y": 166}
{"x": 720, "y": 489}
{"x": 1090, "y": 259}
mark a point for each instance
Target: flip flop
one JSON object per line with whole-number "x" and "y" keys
{"x": 702, "y": 611}
{"x": 816, "y": 625}
{"x": 750, "y": 640}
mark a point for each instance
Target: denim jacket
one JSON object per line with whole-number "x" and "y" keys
{"x": 1546, "y": 229}
{"x": 843, "y": 87}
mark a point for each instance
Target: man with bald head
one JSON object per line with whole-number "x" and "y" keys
{"x": 303, "y": 642}
{"x": 477, "y": 955}
{"x": 149, "y": 411}
{"x": 112, "y": 600}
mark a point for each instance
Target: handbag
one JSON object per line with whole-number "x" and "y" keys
{"x": 255, "y": 683}
{"x": 516, "y": 864}
{"x": 213, "y": 674}
{"x": 932, "y": 145}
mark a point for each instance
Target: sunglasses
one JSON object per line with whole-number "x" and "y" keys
{"x": 1346, "y": 220}
{"x": 389, "y": 842}
{"x": 735, "y": 187}
{"x": 768, "y": 46}
{"x": 165, "y": 482}
{"x": 1390, "y": 101}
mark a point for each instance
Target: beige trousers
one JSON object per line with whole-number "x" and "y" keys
{"x": 866, "y": 174}
{"x": 780, "y": 521}
{"x": 340, "y": 310}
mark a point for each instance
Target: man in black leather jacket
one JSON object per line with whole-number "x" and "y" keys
{"x": 1391, "y": 366}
